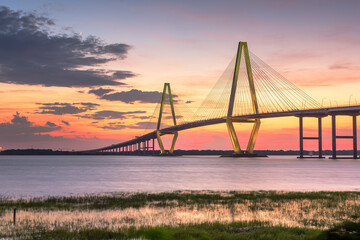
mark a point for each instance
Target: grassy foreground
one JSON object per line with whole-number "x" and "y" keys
{"x": 185, "y": 215}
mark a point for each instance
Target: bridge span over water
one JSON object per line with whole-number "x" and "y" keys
{"x": 249, "y": 90}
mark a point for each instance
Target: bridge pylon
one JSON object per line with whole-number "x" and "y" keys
{"x": 159, "y": 132}
{"x": 243, "y": 50}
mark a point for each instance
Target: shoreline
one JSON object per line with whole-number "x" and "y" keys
{"x": 178, "y": 152}
{"x": 120, "y": 194}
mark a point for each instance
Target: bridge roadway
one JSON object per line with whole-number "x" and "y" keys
{"x": 320, "y": 112}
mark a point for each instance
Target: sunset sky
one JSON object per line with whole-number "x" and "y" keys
{"x": 86, "y": 74}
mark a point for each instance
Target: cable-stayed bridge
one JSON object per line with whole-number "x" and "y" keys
{"x": 248, "y": 90}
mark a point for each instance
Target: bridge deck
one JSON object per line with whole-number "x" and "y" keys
{"x": 320, "y": 112}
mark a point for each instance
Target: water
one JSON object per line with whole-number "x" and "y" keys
{"x": 65, "y": 175}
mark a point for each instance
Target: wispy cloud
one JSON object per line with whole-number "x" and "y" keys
{"x": 109, "y": 114}
{"x": 138, "y": 125}
{"x": 66, "y": 108}
{"x": 340, "y": 66}
{"x": 134, "y": 95}
{"x": 100, "y": 91}
{"x": 66, "y": 123}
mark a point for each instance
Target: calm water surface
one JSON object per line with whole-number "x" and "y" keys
{"x": 59, "y": 175}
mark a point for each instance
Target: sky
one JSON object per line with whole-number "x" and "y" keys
{"x": 78, "y": 75}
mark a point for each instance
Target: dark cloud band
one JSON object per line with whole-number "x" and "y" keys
{"x": 21, "y": 128}
{"x": 135, "y": 95}
{"x": 31, "y": 55}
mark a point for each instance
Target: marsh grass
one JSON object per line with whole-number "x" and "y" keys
{"x": 205, "y": 231}
{"x": 179, "y": 198}
{"x": 139, "y": 215}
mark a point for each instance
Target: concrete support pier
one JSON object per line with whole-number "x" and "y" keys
{"x": 318, "y": 138}
{"x": 335, "y": 137}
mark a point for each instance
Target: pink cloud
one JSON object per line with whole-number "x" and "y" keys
{"x": 340, "y": 66}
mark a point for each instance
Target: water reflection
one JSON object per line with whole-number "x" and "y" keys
{"x": 57, "y": 175}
